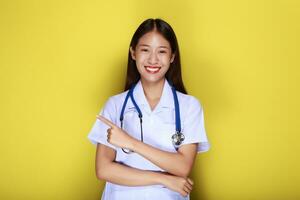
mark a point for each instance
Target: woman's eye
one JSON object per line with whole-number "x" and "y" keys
{"x": 162, "y": 52}
{"x": 144, "y": 49}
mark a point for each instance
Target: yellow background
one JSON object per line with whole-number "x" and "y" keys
{"x": 61, "y": 60}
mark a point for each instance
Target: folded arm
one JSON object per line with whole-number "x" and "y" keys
{"x": 114, "y": 172}
{"x": 179, "y": 163}
{"x": 109, "y": 170}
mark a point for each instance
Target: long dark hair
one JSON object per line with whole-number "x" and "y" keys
{"x": 173, "y": 75}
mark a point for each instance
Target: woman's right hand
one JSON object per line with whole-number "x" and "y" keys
{"x": 178, "y": 184}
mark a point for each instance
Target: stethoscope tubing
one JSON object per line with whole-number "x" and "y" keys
{"x": 177, "y": 138}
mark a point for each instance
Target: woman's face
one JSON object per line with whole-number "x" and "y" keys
{"x": 153, "y": 56}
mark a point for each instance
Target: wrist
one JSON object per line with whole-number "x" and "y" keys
{"x": 160, "y": 178}
{"x": 133, "y": 144}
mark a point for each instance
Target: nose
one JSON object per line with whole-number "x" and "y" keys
{"x": 153, "y": 59}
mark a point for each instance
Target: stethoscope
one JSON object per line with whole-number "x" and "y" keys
{"x": 177, "y": 138}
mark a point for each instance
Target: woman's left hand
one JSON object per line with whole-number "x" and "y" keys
{"x": 116, "y": 136}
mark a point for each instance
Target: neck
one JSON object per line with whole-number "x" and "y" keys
{"x": 153, "y": 91}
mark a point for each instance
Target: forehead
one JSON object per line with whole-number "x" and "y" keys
{"x": 153, "y": 39}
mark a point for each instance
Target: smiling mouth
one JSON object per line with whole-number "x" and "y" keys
{"x": 152, "y": 69}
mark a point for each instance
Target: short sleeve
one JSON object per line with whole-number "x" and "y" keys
{"x": 98, "y": 132}
{"x": 193, "y": 126}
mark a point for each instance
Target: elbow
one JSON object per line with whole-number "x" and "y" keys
{"x": 185, "y": 170}
{"x": 100, "y": 175}
{"x": 186, "y": 167}
{"x": 102, "y": 172}
{"x": 184, "y": 173}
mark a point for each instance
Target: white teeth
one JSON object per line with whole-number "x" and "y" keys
{"x": 151, "y": 69}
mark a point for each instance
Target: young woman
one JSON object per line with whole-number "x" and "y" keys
{"x": 148, "y": 136}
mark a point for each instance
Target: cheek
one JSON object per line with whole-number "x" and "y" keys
{"x": 139, "y": 64}
{"x": 140, "y": 59}
{"x": 166, "y": 61}
{"x": 165, "y": 58}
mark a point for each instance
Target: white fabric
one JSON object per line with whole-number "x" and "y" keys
{"x": 158, "y": 127}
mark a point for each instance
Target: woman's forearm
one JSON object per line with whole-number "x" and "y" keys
{"x": 123, "y": 175}
{"x": 174, "y": 163}
{"x": 120, "y": 174}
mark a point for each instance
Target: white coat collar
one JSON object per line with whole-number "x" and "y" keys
{"x": 166, "y": 100}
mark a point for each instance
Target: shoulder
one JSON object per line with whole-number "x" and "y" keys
{"x": 111, "y": 108}
{"x": 188, "y": 101}
{"x": 115, "y": 100}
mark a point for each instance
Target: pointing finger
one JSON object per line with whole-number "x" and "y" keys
{"x": 106, "y": 121}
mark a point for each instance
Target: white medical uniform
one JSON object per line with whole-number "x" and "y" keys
{"x": 158, "y": 128}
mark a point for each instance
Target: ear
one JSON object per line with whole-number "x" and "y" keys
{"x": 132, "y": 52}
{"x": 172, "y": 58}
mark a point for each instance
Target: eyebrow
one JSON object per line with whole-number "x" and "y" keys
{"x": 149, "y": 46}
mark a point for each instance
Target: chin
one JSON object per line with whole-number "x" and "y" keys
{"x": 153, "y": 79}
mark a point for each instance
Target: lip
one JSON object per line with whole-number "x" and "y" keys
{"x": 152, "y": 69}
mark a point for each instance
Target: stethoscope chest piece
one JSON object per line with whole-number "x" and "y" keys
{"x": 177, "y": 139}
